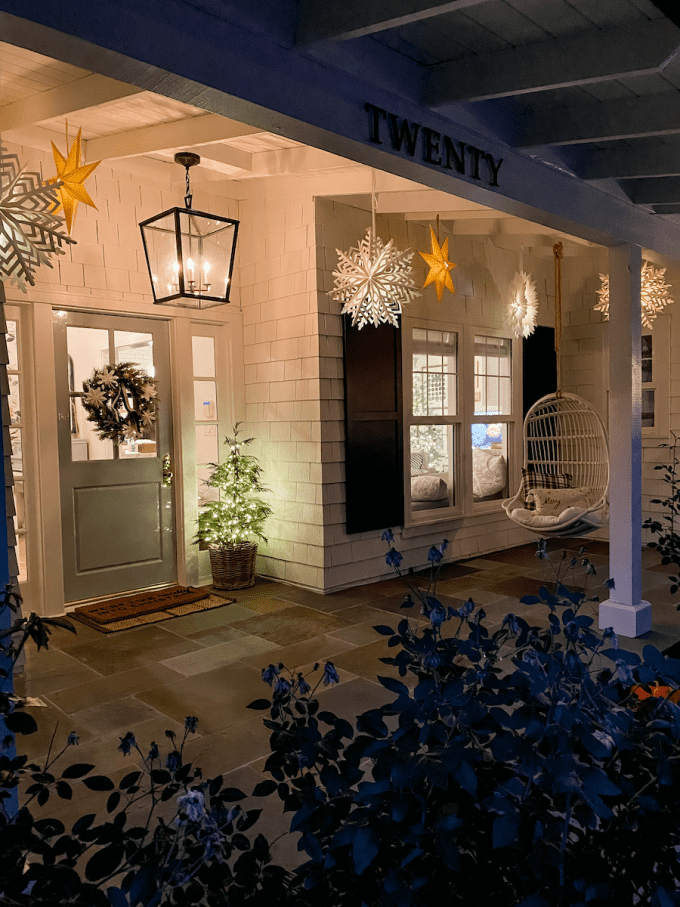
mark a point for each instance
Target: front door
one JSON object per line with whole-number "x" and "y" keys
{"x": 118, "y": 524}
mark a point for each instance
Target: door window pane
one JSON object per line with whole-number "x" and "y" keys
{"x": 204, "y": 356}
{"x": 88, "y": 349}
{"x": 493, "y": 376}
{"x": 12, "y": 346}
{"x": 17, "y": 451}
{"x": 205, "y": 401}
{"x": 206, "y": 444}
{"x": 14, "y": 399}
{"x": 206, "y": 492}
{"x": 137, "y": 348}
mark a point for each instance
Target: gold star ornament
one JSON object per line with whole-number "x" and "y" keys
{"x": 440, "y": 266}
{"x": 72, "y": 175}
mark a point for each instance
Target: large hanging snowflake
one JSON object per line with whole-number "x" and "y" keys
{"x": 373, "y": 281}
{"x": 653, "y": 294}
{"x": 29, "y": 233}
{"x": 523, "y": 305}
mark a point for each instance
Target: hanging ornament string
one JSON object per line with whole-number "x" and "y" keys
{"x": 557, "y": 253}
{"x": 374, "y": 231}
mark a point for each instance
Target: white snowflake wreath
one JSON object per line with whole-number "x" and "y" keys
{"x": 653, "y": 294}
{"x": 120, "y": 400}
{"x": 373, "y": 281}
{"x": 523, "y": 305}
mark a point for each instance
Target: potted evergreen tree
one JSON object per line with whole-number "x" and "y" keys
{"x": 227, "y": 526}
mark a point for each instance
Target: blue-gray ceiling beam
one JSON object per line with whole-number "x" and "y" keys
{"x": 642, "y": 159}
{"x": 591, "y": 56}
{"x": 242, "y": 72}
{"x": 657, "y": 114}
{"x": 652, "y": 191}
{"x": 339, "y": 20}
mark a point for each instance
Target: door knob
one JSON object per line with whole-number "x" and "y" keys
{"x": 167, "y": 473}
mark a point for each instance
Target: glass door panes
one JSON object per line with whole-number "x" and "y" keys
{"x": 15, "y": 379}
{"x": 94, "y": 348}
{"x": 137, "y": 348}
{"x": 87, "y": 348}
{"x": 205, "y": 413}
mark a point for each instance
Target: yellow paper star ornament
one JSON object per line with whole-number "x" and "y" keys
{"x": 439, "y": 265}
{"x": 72, "y": 175}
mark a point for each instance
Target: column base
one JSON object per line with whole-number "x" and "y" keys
{"x": 626, "y": 620}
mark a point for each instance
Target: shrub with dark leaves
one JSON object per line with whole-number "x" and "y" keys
{"x": 511, "y": 767}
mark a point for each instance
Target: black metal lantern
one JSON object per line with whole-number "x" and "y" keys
{"x": 190, "y": 254}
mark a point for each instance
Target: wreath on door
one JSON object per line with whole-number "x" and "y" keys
{"x": 120, "y": 400}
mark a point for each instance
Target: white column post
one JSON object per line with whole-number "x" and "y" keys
{"x": 625, "y": 611}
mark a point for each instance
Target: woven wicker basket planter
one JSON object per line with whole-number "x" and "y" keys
{"x": 233, "y": 568}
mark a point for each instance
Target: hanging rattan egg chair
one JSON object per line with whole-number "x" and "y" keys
{"x": 565, "y": 479}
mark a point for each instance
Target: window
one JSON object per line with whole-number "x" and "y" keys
{"x": 434, "y": 424}
{"x": 205, "y": 414}
{"x": 655, "y": 354}
{"x": 490, "y": 436}
{"x": 458, "y": 384}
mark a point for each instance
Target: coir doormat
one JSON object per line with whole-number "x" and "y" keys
{"x": 147, "y": 608}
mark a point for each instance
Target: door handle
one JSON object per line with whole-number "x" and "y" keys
{"x": 167, "y": 473}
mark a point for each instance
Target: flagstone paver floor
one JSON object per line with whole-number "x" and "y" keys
{"x": 148, "y": 679}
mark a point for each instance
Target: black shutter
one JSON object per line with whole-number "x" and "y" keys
{"x": 374, "y": 444}
{"x": 539, "y": 366}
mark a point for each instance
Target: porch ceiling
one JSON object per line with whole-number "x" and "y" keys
{"x": 591, "y": 88}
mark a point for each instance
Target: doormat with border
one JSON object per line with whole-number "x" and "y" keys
{"x": 147, "y": 608}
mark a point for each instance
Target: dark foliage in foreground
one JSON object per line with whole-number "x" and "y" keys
{"x": 513, "y": 766}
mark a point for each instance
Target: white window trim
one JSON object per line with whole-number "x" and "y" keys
{"x": 440, "y": 514}
{"x": 465, "y": 507}
{"x": 514, "y": 421}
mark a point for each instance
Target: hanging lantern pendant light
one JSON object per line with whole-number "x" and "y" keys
{"x": 190, "y": 254}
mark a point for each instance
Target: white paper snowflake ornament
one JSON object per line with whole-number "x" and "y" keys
{"x": 373, "y": 281}
{"x": 653, "y": 294}
{"x": 523, "y": 307}
{"x": 29, "y": 232}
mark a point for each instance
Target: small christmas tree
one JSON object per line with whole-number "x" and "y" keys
{"x": 237, "y": 516}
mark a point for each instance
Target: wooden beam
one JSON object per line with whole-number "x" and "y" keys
{"x": 645, "y": 158}
{"x": 190, "y": 131}
{"x": 340, "y": 21}
{"x": 89, "y": 91}
{"x": 590, "y": 56}
{"x": 652, "y": 191}
{"x": 222, "y": 157}
{"x": 628, "y": 118}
